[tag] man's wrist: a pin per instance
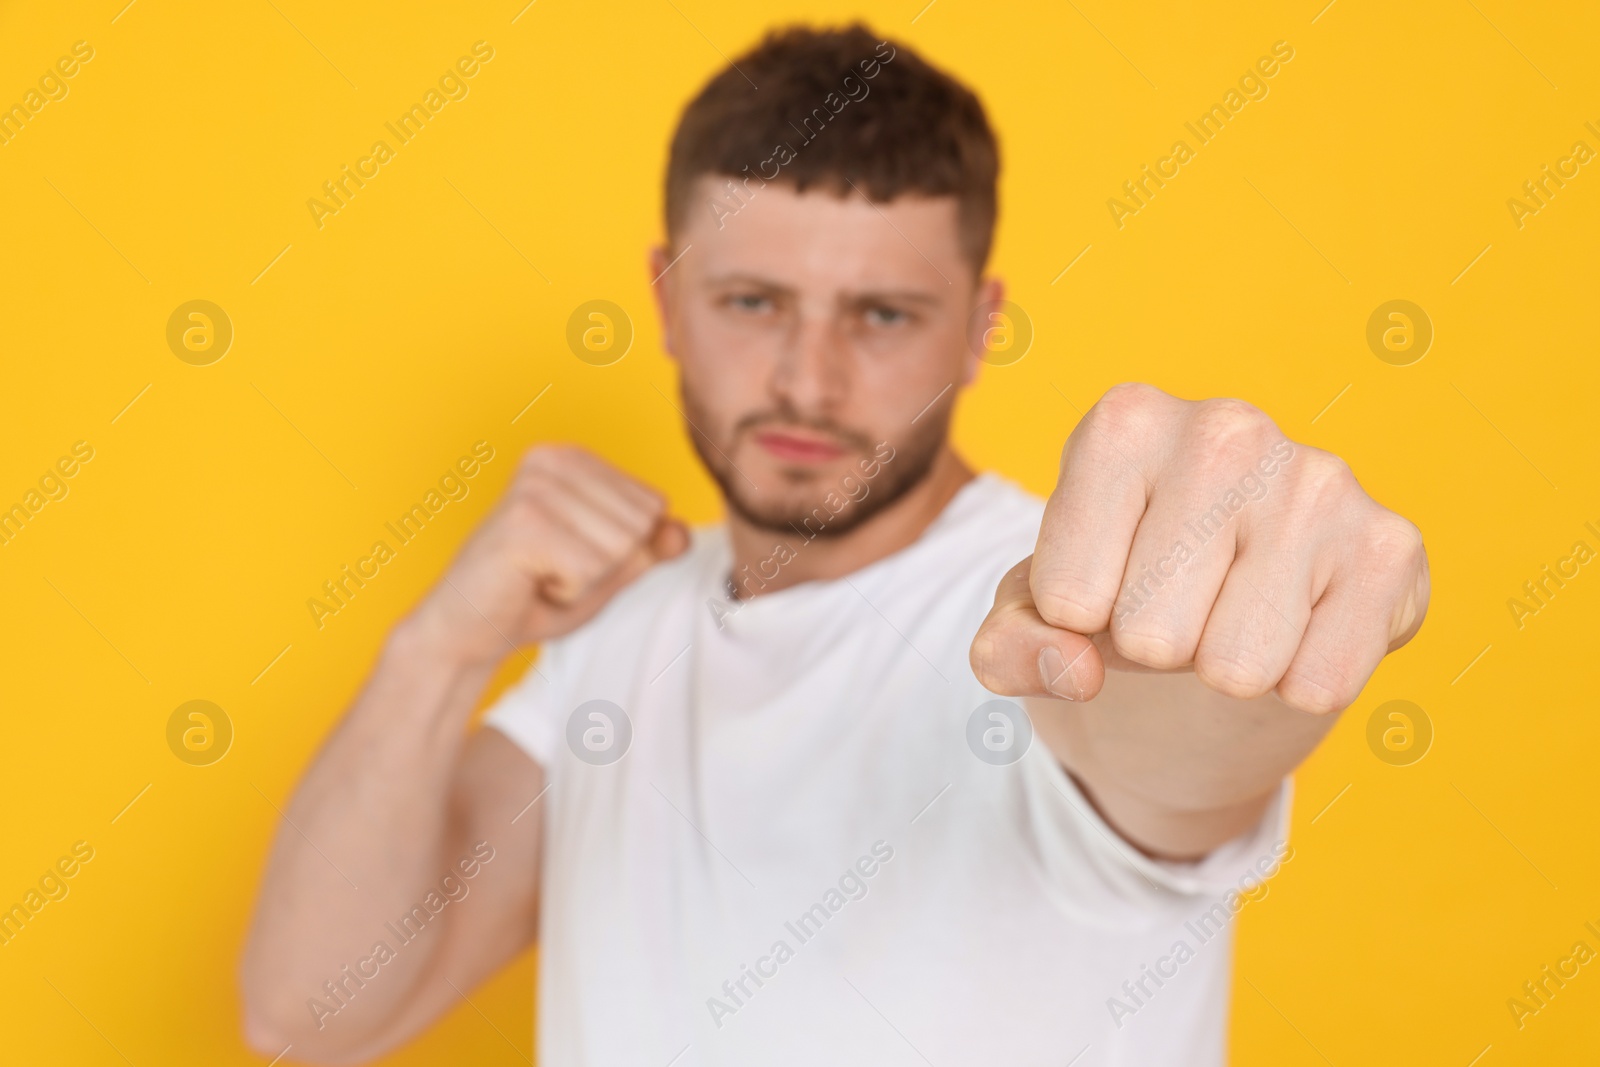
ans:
(1167, 831)
(427, 637)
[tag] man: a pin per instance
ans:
(760, 800)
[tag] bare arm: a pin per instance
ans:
(1177, 767)
(401, 803)
(397, 797)
(1205, 596)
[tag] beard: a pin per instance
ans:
(803, 491)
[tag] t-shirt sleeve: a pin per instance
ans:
(530, 712)
(1092, 865)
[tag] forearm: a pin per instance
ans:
(401, 796)
(366, 833)
(1176, 767)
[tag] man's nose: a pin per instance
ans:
(813, 371)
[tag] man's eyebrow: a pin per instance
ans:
(902, 296)
(738, 277)
(866, 296)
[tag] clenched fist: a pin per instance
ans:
(1194, 535)
(571, 532)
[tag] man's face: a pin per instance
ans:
(808, 329)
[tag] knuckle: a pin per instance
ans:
(537, 502)
(535, 476)
(538, 457)
(984, 654)
(1069, 601)
(607, 547)
(1155, 646)
(1227, 426)
(1123, 407)
(1234, 673)
(1327, 476)
(653, 504)
(1391, 539)
(1125, 417)
(552, 457)
(1313, 696)
(1132, 394)
(639, 528)
(639, 517)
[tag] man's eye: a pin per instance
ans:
(750, 302)
(886, 316)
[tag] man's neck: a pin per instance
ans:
(765, 561)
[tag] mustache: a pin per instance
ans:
(850, 438)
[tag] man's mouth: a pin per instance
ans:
(795, 447)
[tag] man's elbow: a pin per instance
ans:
(263, 1035)
(273, 1026)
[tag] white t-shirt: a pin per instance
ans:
(798, 856)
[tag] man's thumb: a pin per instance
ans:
(1017, 653)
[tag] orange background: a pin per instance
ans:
(428, 313)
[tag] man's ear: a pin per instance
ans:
(990, 290)
(657, 261)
